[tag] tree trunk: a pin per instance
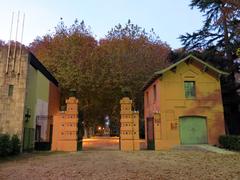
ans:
(226, 38)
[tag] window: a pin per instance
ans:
(10, 90)
(189, 87)
(154, 93)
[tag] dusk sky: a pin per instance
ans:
(169, 19)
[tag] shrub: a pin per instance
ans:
(5, 145)
(42, 146)
(230, 142)
(9, 145)
(16, 145)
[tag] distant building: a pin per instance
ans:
(186, 101)
(29, 97)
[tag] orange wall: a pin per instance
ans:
(151, 106)
(65, 132)
(65, 127)
(54, 99)
(53, 104)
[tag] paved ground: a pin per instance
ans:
(204, 147)
(104, 143)
(114, 164)
(101, 143)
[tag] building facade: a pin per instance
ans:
(183, 105)
(29, 97)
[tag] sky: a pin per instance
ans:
(168, 18)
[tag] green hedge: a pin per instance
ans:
(9, 145)
(230, 142)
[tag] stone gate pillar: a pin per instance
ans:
(65, 127)
(157, 130)
(129, 130)
(136, 141)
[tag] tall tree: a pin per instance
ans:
(220, 29)
(125, 58)
(218, 41)
(66, 53)
(233, 2)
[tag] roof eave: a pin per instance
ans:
(151, 80)
(160, 73)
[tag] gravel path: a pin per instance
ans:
(113, 164)
(101, 143)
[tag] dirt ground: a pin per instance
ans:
(114, 164)
(101, 143)
(122, 165)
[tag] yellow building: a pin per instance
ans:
(183, 105)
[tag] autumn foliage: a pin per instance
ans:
(101, 70)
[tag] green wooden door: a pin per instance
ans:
(193, 130)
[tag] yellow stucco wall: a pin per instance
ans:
(173, 104)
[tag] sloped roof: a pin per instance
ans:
(157, 74)
(39, 66)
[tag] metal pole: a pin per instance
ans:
(20, 53)
(9, 44)
(15, 46)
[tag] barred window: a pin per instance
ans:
(10, 90)
(190, 90)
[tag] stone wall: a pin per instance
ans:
(13, 82)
